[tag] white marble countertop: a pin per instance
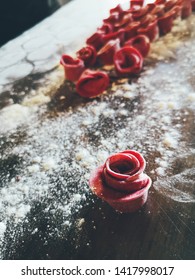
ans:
(39, 49)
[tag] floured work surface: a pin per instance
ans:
(51, 139)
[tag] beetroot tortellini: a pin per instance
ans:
(120, 181)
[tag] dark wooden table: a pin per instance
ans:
(51, 139)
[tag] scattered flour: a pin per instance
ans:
(15, 115)
(180, 186)
(2, 229)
